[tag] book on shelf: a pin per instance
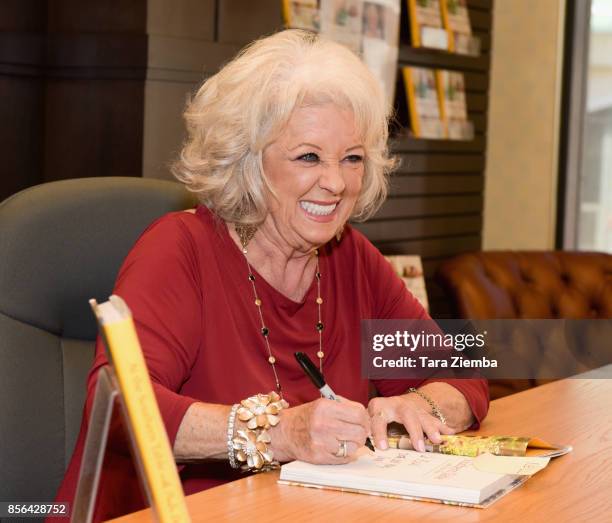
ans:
(343, 22)
(301, 14)
(423, 103)
(456, 21)
(379, 44)
(426, 26)
(453, 106)
(410, 269)
(407, 474)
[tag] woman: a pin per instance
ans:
(286, 144)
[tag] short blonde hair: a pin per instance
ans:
(237, 112)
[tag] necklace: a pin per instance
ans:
(245, 234)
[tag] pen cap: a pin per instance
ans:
(310, 369)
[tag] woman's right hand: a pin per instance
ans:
(313, 431)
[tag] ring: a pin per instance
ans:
(342, 449)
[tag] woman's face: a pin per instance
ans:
(316, 169)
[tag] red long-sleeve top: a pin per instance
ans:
(185, 281)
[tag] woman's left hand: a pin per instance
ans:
(410, 411)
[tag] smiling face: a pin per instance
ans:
(315, 168)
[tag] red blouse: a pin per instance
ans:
(185, 281)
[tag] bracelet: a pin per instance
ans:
(250, 447)
(252, 451)
(434, 408)
(231, 421)
(261, 410)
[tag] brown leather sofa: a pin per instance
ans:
(528, 284)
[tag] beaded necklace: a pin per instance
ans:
(246, 233)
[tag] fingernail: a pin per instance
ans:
(382, 444)
(435, 438)
(420, 445)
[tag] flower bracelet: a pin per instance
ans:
(249, 449)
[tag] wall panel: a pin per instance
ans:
(22, 59)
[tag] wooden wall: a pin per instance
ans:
(96, 88)
(71, 90)
(22, 28)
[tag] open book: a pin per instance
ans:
(407, 474)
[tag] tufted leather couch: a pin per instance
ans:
(529, 284)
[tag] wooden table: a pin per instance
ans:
(575, 487)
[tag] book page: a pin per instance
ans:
(522, 466)
(402, 471)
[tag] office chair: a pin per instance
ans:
(61, 243)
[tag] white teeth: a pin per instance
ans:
(320, 210)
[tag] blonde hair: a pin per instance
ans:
(237, 112)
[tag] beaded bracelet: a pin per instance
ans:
(231, 421)
(434, 407)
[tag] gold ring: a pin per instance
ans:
(342, 449)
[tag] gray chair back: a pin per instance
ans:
(61, 244)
